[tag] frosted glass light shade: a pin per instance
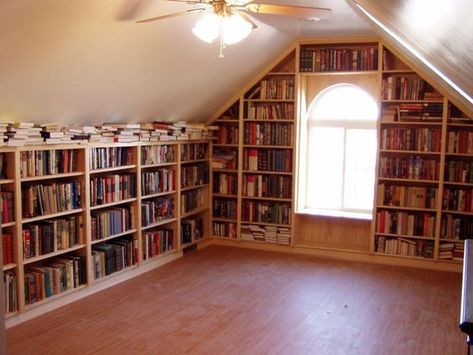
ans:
(207, 28)
(233, 28)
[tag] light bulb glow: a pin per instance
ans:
(232, 28)
(207, 28)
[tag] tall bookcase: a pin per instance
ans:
(76, 216)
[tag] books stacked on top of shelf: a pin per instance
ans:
(54, 134)
(451, 251)
(23, 133)
(3, 131)
(124, 132)
(224, 159)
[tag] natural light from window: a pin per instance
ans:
(341, 151)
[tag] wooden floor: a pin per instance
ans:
(223, 300)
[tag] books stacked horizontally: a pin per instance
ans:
(123, 132)
(79, 134)
(284, 235)
(3, 131)
(23, 133)
(54, 134)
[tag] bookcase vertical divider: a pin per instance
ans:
(137, 204)
(178, 197)
(18, 228)
(241, 135)
(87, 222)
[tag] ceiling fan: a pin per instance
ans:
(229, 20)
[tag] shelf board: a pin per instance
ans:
(223, 237)
(403, 256)
(460, 125)
(225, 120)
(159, 223)
(263, 242)
(410, 123)
(222, 219)
(191, 243)
(398, 71)
(451, 240)
(340, 73)
(194, 187)
(126, 269)
(412, 101)
(404, 236)
(261, 146)
(269, 100)
(194, 211)
(115, 168)
(266, 224)
(49, 216)
(10, 314)
(50, 255)
(266, 172)
(9, 224)
(410, 152)
(195, 161)
(9, 266)
(159, 256)
(219, 170)
(274, 120)
(466, 184)
(6, 181)
(415, 181)
(224, 195)
(407, 208)
(465, 155)
(283, 73)
(158, 194)
(114, 203)
(458, 212)
(157, 165)
(53, 297)
(49, 177)
(225, 145)
(130, 231)
(266, 198)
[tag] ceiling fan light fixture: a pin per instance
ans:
(235, 29)
(207, 29)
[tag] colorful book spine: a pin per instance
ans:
(161, 180)
(157, 209)
(112, 222)
(110, 157)
(111, 188)
(157, 242)
(158, 154)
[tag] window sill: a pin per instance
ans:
(338, 214)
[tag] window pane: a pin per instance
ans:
(359, 169)
(325, 168)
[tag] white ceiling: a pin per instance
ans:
(82, 61)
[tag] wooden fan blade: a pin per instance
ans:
(176, 14)
(190, 2)
(247, 18)
(131, 8)
(287, 10)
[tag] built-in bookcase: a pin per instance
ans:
(77, 215)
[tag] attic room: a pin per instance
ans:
(301, 184)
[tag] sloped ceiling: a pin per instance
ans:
(438, 32)
(87, 61)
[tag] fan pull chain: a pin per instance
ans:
(222, 44)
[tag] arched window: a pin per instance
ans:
(341, 151)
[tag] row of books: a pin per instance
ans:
(268, 133)
(266, 212)
(224, 158)
(225, 208)
(48, 162)
(7, 248)
(412, 167)
(111, 188)
(27, 133)
(270, 111)
(193, 199)
(110, 157)
(278, 160)
(157, 242)
(459, 171)
(44, 199)
(269, 234)
(403, 87)
(50, 236)
(158, 154)
(227, 134)
(10, 290)
(192, 229)
(161, 180)
(404, 223)
(277, 89)
(460, 142)
(407, 196)
(194, 151)
(451, 251)
(110, 222)
(456, 227)
(114, 256)
(272, 186)
(157, 209)
(226, 184)
(57, 276)
(224, 229)
(458, 199)
(7, 206)
(405, 247)
(194, 175)
(411, 138)
(338, 59)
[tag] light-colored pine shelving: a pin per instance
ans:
(114, 203)
(53, 254)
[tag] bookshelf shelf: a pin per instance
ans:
(413, 181)
(403, 256)
(160, 165)
(9, 224)
(261, 146)
(188, 188)
(458, 212)
(222, 219)
(195, 161)
(130, 231)
(223, 120)
(407, 208)
(194, 212)
(49, 177)
(114, 274)
(11, 314)
(224, 195)
(405, 236)
(274, 120)
(114, 203)
(159, 223)
(266, 224)
(225, 145)
(158, 194)
(341, 73)
(411, 123)
(282, 73)
(159, 256)
(218, 170)
(460, 155)
(269, 100)
(455, 183)
(266, 198)
(50, 216)
(398, 71)
(186, 245)
(9, 266)
(267, 172)
(411, 101)
(50, 255)
(53, 297)
(115, 168)
(6, 181)
(410, 152)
